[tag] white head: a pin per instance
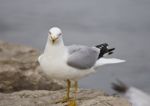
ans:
(54, 34)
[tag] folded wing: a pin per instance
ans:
(82, 57)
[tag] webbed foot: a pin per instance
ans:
(72, 103)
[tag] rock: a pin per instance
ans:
(19, 70)
(49, 98)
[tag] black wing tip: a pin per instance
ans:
(111, 50)
(120, 87)
(102, 45)
(104, 49)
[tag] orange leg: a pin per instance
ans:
(73, 102)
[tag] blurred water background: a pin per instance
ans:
(124, 24)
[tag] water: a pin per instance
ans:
(124, 24)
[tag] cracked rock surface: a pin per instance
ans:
(20, 70)
(49, 98)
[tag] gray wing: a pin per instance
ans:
(82, 57)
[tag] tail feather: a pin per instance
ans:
(104, 61)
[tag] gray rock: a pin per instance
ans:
(19, 70)
(49, 98)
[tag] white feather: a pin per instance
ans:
(104, 61)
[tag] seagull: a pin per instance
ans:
(71, 63)
(134, 95)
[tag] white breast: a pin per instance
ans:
(58, 69)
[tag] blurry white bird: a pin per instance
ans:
(135, 96)
(73, 62)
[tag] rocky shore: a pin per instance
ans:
(22, 82)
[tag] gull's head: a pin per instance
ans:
(54, 34)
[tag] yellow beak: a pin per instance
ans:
(53, 38)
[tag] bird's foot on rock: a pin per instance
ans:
(65, 99)
(72, 103)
